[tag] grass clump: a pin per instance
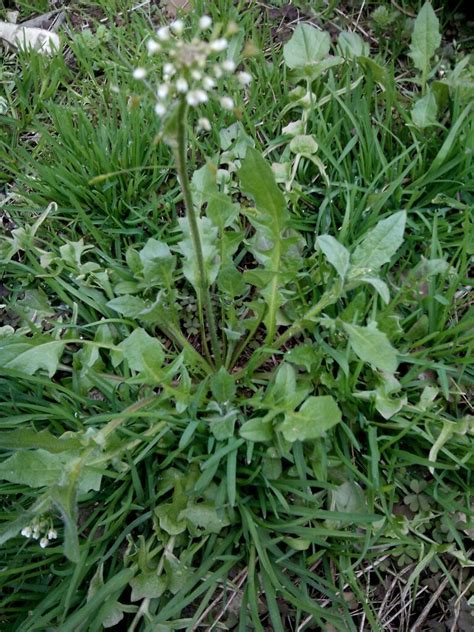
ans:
(236, 334)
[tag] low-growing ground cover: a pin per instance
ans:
(235, 334)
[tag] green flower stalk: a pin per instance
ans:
(191, 77)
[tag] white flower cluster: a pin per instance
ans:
(191, 71)
(41, 530)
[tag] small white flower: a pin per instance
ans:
(192, 99)
(177, 26)
(217, 72)
(196, 75)
(52, 534)
(169, 69)
(208, 83)
(244, 78)
(26, 531)
(227, 103)
(182, 85)
(204, 124)
(205, 22)
(228, 65)
(160, 109)
(44, 543)
(139, 73)
(162, 91)
(201, 96)
(152, 47)
(218, 45)
(36, 534)
(163, 33)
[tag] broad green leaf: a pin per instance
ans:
(257, 430)
(258, 181)
(111, 613)
(271, 464)
(147, 586)
(380, 286)
(306, 46)
(222, 426)
(337, 255)
(158, 263)
(223, 386)
(203, 183)
(168, 513)
(80, 619)
(282, 387)
(231, 281)
(349, 498)
(379, 245)
(65, 500)
(425, 38)
(424, 111)
(373, 69)
(39, 468)
(169, 521)
(127, 305)
(448, 429)
(177, 573)
(143, 354)
(205, 515)
(372, 346)
(221, 210)
(385, 402)
(352, 44)
(303, 355)
(28, 356)
(271, 218)
(317, 415)
(25, 438)
(208, 235)
(303, 144)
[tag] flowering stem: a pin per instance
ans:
(204, 294)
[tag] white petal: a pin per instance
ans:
(139, 73)
(177, 26)
(208, 83)
(163, 33)
(160, 109)
(152, 47)
(192, 99)
(204, 124)
(227, 103)
(201, 96)
(181, 85)
(244, 78)
(228, 65)
(218, 45)
(163, 91)
(205, 22)
(44, 543)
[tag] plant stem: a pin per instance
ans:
(204, 295)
